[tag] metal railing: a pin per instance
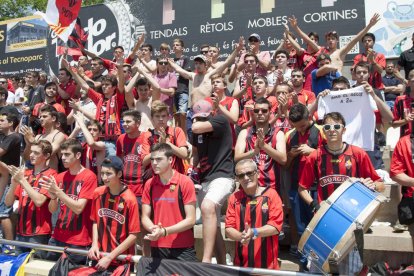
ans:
(136, 258)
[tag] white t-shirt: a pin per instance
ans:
(358, 108)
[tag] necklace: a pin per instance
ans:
(335, 152)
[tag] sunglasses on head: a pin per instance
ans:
(248, 174)
(263, 110)
(332, 127)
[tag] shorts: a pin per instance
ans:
(182, 254)
(54, 256)
(181, 103)
(5, 211)
(217, 191)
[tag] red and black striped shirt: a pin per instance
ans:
(116, 217)
(133, 151)
(269, 169)
(330, 170)
(313, 137)
(71, 228)
(265, 209)
(34, 220)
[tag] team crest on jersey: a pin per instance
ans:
(139, 149)
(265, 207)
(200, 139)
(332, 179)
(105, 212)
(348, 164)
(172, 188)
(121, 207)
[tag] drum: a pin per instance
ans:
(329, 237)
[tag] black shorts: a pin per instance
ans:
(182, 254)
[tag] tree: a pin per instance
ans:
(10, 9)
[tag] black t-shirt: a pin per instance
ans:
(406, 61)
(390, 81)
(215, 150)
(36, 95)
(11, 144)
(182, 83)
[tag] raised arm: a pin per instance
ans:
(230, 59)
(344, 51)
(137, 45)
(182, 72)
(80, 81)
(295, 27)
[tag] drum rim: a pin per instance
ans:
(369, 214)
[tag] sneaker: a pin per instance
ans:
(400, 228)
(281, 235)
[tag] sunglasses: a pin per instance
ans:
(248, 174)
(332, 127)
(163, 63)
(263, 110)
(253, 40)
(3, 82)
(204, 52)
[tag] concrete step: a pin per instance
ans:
(383, 244)
(388, 210)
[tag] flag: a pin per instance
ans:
(13, 265)
(76, 41)
(61, 16)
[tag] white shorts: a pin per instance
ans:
(217, 191)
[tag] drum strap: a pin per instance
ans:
(359, 238)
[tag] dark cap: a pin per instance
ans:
(323, 57)
(113, 162)
(254, 36)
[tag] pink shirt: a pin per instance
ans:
(263, 56)
(169, 80)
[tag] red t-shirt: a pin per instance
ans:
(70, 89)
(88, 158)
(402, 106)
(305, 97)
(402, 162)
(133, 152)
(38, 106)
(108, 112)
(71, 228)
(34, 220)
(116, 216)
(265, 209)
(177, 137)
(165, 204)
(332, 171)
(269, 169)
(375, 78)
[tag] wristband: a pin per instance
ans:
(165, 231)
(255, 233)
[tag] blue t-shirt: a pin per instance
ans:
(324, 82)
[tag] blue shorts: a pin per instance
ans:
(5, 211)
(181, 103)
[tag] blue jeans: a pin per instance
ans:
(54, 256)
(41, 239)
(189, 125)
(181, 102)
(301, 211)
(390, 104)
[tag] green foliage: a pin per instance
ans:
(10, 9)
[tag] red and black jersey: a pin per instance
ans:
(167, 203)
(108, 113)
(313, 137)
(70, 89)
(403, 162)
(70, 227)
(330, 170)
(283, 124)
(34, 220)
(133, 151)
(402, 106)
(116, 216)
(265, 209)
(177, 137)
(269, 169)
(88, 158)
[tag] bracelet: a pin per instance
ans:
(165, 231)
(255, 232)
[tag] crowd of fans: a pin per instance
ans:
(114, 153)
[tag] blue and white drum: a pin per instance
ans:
(329, 237)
